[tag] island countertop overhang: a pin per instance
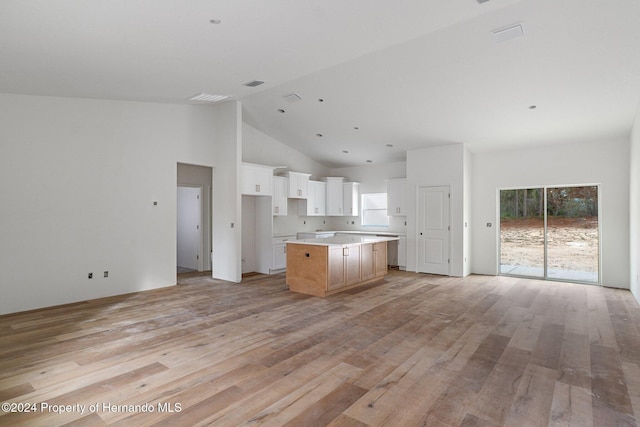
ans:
(342, 240)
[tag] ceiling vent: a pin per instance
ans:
(253, 83)
(294, 97)
(508, 33)
(208, 97)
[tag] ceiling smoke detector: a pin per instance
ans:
(208, 97)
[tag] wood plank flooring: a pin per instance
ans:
(408, 350)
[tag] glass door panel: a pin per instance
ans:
(572, 233)
(522, 232)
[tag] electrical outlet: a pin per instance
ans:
(106, 273)
(90, 276)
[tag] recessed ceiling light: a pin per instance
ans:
(214, 21)
(319, 135)
(320, 100)
(208, 97)
(345, 151)
(389, 145)
(532, 107)
(281, 111)
(369, 161)
(253, 83)
(356, 128)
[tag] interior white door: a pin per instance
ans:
(433, 230)
(189, 227)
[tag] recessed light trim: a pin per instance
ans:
(281, 111)
(208, 97)
(214, 21)
(389, 145)
(319, 135)
(532, 107)
(369, 161)
(345, 151)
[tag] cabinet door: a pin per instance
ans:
(351, 197)
(256, 180)
(298, 185)
(368, 266)
(279, 195)
(352, 264)
(396, 196)
(380, 258)
(335, 196)
(279, 256)
(319, 198)
(336, 274)
(247, 179)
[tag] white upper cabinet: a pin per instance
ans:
(316, 200)
(351, 197)
(335, 196)
(396, 197)
(298, 185)
(280, 189)
(256, 180)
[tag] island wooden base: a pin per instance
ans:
(324, 270)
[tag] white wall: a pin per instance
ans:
(227, 209)
(467, 211)
(260, 148)
(605, 163)
(634, 223)
(78, 179)
(438, 166)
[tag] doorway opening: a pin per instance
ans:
(551, 232)
(194, 219)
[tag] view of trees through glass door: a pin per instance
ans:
(550, 232)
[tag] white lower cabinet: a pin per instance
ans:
(280, 253)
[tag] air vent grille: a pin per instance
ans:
(294, 97)
(208, 97)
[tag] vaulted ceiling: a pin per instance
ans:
(375, 78)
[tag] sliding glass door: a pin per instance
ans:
(550, 233)
(522, 232)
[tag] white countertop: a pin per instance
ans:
(343, 240)
(358, 232)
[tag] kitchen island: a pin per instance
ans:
(326, 266)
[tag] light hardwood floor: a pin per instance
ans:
(411, 349)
